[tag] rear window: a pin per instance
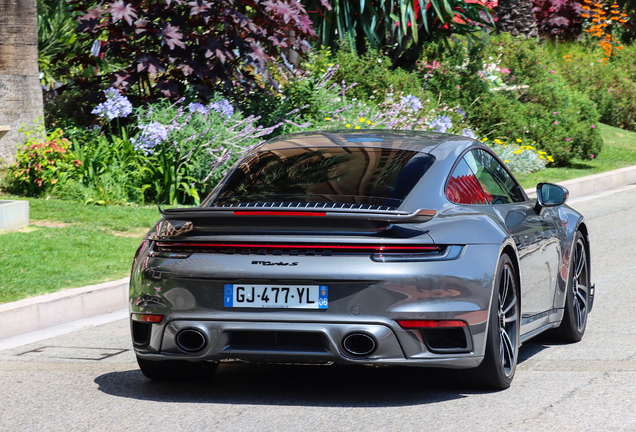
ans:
(357, 176)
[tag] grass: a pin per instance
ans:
(619, 151)
(69, 245)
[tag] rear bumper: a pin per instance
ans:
(364, 296)
(277, 342)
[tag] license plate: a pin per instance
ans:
(272, 296)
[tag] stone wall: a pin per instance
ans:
(20, 90)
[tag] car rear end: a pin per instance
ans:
(328, 268)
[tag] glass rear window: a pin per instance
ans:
(341, 175)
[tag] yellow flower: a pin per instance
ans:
(497, 141)
(327, 118)
(484, 140)
(518, 140)
(530, 147)
(550, 158)
(372, 124)
(357, 127)
(541, 157)
(507, 161)
(361, 119)
(369, 122)
(542, 152)
(348, 125)
(517, 151)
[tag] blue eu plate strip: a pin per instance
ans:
(323, 301)
(229, 295)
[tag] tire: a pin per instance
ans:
(497, 369)
(177, 370)
(577, 297)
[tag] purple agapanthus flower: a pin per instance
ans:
(461, 112)
(441, 124)
(469, 133)
(116, 105)
(197, 107)
(150, 136)
(223, 107)
(411, 102)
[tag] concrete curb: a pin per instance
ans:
(596, 183)
(38, 313)
(49, 310)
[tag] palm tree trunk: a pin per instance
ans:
(517, 18)
(20, 89)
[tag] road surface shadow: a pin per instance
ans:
(305, 385)
(351, 386)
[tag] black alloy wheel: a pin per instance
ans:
(502, 345)
(574, 321)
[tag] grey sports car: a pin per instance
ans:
(361, 247)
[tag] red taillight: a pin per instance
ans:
(165, 246)
(148, 318)
(412, 324)
(277, 213)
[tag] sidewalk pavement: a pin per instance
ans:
(42, 312)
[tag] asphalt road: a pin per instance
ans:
(88, 380)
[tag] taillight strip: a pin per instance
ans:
(370, 248)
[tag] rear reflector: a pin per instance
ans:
(148, 318)
(411, 324)
(277, 213)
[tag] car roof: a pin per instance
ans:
(419, 141)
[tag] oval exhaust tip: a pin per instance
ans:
(359, 344)
(191, 340)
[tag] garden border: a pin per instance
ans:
(38, 313)
(41, 312)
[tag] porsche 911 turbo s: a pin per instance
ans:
(361, 247)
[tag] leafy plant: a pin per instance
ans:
(524, 159)
(398, 26)
(560, 18)
(163, 46)
(57, 38)
(40, 163)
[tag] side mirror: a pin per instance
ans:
(550, 195)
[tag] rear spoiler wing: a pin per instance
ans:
(188, 214)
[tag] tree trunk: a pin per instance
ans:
(20, 89)
(517, 18)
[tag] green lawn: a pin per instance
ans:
(619, 151)
(69, 245)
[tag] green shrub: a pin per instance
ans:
(517, 93)
(611, 86)
(41, 163)
(560, 121)
(373, 74)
